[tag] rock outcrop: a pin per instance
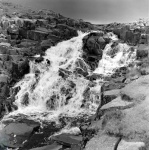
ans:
(14, 134)
(93, 46)
(133, 33)
(120, 117)
(24, 34)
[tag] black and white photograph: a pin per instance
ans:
(74, 74)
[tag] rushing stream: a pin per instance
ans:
(45, 95)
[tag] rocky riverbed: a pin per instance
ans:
(68, 84)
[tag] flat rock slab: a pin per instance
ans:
(112, 92)
(14, 134)
(138, 89)
(49, 147)
(41, 138)
(68, 140)
(118, 102)
(103, 142)
(123, 145)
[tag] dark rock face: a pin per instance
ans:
(66, 31)
(142, 51)
(130, 34)
(93, 45)
(64, 73)
(87, 133)
(4, 79)
(25, 100)
(70, 141)
(45, 44)
(94, 76)
(114, 49)
(14, 134)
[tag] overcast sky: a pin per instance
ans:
(95, 11)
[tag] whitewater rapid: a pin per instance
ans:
(45, 95)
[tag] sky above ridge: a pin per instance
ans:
(95, 11)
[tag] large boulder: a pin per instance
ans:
(26, 43)
(117, 31)
(138, 89)
(133, 37)
(23, 33)
(93, 45)
(5, 22)
(117, 102)
(132, 34)
(54, 38)
(29, 24)
(4, 88)
(4, 49)
(45, 44)
(13, 29)
(23, 67)
(37, 35)
(54, 146)
(66, 31)
(69, 141)
(136, 38)
(13, 62)
(142, 51)
(42, 23)
(18, 22)
(122, 119)
(14, 135)
(124, 29)
(17, 69)
(129, 36)
(144, 39)
(124, 145)
(102, 142)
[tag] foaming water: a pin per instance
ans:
(111, 61)
(48, 93)
(54, 88)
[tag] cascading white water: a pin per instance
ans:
(110, 63)
(50, 95)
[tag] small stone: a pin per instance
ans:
(67, 140)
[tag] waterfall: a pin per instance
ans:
(45, 93)
(112, 59)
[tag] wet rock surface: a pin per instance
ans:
(41, 137)
(27, 134)
(70, 141)
(15, 134)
